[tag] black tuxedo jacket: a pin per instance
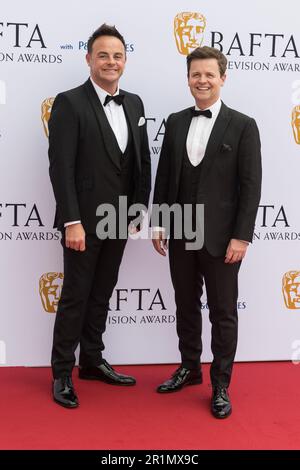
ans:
(230, 181)
(84, 155)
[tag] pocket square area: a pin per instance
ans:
(226, 148)
(142, 121)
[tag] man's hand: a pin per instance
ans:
(134, 229)
(75, 237)
(236, 251)
(160, 242)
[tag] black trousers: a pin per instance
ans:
(89, 279)
(189, 270)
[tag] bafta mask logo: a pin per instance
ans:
(189, 31)
(296, 123)
(50, 285)
(291, 289)
(46, 111)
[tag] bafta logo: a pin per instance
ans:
(291, 289)
(296, 123)
(50, 285)
(46, 111)
(189, 31)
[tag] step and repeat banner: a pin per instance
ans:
(42, 52)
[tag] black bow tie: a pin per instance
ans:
(117, 98)
(207, 113)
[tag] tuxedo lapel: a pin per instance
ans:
(132, 119)
(109, 139)
(180, 138)
(214, 141)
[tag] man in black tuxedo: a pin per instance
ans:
(98, 151)
(210, 156)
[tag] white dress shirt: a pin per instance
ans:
(116, 117)
(199, 133)
(197, 139)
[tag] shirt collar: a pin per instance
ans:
(102, 93)
(215, 108)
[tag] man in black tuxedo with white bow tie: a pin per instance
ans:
(98, 151)
(211, 156)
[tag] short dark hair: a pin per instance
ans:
(206, 52)
(104, 30)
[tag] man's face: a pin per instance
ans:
(107, 62)
(205, 81)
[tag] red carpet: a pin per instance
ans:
(265, 397)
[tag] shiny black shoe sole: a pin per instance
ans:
(216, 415)
(107, 381)
(192, 382)
(64, 405)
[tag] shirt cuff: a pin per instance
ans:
(158, 229)
(72, 223)
(244, 241)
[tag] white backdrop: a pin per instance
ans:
(41, 54)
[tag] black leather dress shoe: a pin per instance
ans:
(179, 379)
(64, 393)
(105, 373)
(220, 403)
